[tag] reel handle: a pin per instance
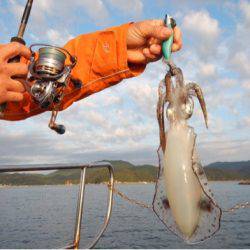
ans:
(167, 45)
(59, 128)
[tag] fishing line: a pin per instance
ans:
(73, 91)
(241, 205)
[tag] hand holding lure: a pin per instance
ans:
(183, 200)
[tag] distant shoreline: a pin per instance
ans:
(239, 182)
(124, 173)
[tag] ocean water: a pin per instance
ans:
(44, 216)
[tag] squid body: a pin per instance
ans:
(183, 200)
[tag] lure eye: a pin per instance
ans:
(188, 108)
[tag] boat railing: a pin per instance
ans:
(81, 194)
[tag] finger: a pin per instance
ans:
(159, 32)
(15, 86)
(177, 44)
(153, 40)
(155, 49)
(14, 96)
(16, 69)
(157, 22)
(13, 49)
(21, 80)
(149, 56)
(136, 56)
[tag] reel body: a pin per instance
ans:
(48, 75)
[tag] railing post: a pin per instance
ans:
(79, 210)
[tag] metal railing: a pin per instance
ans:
(80, 202)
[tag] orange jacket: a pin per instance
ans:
(101, 63)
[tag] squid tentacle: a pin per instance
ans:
(199, 94)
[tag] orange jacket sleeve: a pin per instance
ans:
(101, 63)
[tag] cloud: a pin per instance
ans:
(227, 82)
(95, 9)
(238, 58)
(201, 24)
(245, 8)
(58, 38)
(203, 29)
(225, 150)
(243, 123)
(208, 69)
(241, 63)
(45, 12)
(129, 7)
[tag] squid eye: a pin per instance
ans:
(188, 108)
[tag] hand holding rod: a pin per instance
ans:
(19, 38)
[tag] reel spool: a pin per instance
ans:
(48, 75)
(51, 62)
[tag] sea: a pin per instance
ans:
(44, 217)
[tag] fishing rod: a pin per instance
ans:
(48, 74)
(19, 37)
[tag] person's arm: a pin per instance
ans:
(116, 53)
(101, 62)
(104, 59)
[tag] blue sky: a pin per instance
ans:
(120, 122)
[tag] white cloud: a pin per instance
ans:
(246, 84)
(202, 24)
(16, 8)
(95, 9)
(56, 37)
(225, 150)
(207, 70)
(238, 58)
(96, 118)
(241, 62)
(129, 7)
(243, 123)
(227, 82)
(245, 8)
(203, 31)
(45, 10)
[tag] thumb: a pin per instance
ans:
(159, 32)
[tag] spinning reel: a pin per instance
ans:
(48, 75)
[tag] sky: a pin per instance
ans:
(120, 122)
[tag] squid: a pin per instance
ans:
(183, 200)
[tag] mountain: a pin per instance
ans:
(228, 170)
(124, 172)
